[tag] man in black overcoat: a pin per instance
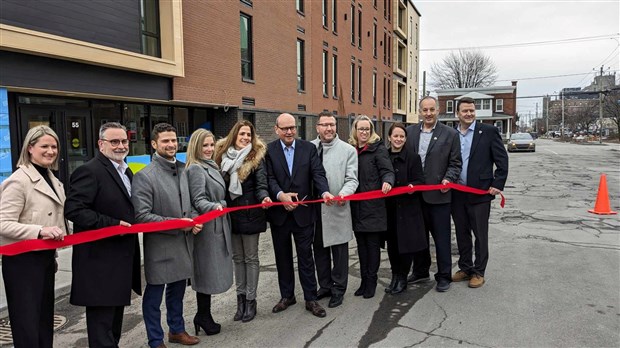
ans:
(105, 271)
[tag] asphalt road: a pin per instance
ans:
(553, 278)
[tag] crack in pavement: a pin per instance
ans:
(432, 333)
(577, 244)
(318, 333)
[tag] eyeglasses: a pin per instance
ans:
(287, 129)
(117, 142)
(363, 130)
(327, 125)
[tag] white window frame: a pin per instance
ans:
(486, 104)
(450, 106)
(499, 105)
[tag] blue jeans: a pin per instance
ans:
(151, 303)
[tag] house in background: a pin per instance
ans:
(496, 105)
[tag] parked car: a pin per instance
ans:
(521, 142)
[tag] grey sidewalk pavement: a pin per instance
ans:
(62, 284)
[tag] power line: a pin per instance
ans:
(522, 44)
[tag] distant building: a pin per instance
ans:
(496, 105)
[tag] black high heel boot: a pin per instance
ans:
(203, 319)
(240, 307)
(390, 287)
(401, 284)
(362, 288)
(250, 311)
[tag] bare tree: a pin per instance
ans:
(611, 108)
(584, 116)
(463, 69)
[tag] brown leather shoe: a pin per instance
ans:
(460, 276)
(162, 346)
(284, 304)
(316, 309)
(183, 338)
(476, 281)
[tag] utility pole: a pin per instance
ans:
(562, 125)
(600, 107)
(536, 119)
(548, 100)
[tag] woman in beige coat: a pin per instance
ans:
(31, 207)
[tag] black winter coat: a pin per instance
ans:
(405, 217)
(250, 221)
(374, 168)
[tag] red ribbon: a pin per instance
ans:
(111, 231)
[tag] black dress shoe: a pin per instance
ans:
(443, 285)
(335, 301)
(323, 293)
(414, 278)
(316, 309)
(284, 304)
(362, 288)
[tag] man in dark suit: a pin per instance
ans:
(294, 170)
(105, 271)
(481, 148)
(439, 147)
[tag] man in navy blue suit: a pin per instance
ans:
(481, 148)
(294, 171)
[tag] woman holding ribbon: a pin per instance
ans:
(212, 262)
(32, 207)
(241, 157)
(405, 234)
(375, 172)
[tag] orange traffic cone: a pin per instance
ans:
(601, 206)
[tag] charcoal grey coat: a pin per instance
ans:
(212, 255)
(158, 194)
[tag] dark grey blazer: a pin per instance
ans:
(443, 159)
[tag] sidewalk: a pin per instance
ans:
(62, 285)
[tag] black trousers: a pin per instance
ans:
(399, 263)
(333, 279)
(369, 251)
(283, 249)
(468, 219)
(104, 325)
(437, 222)
(29, 286)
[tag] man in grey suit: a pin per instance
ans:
(333, 229)
(158, 194)
(439, 147)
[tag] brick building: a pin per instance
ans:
(199, 64)
(496, 105)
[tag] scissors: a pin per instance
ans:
(301, 200)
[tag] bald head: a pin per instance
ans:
(286, 128)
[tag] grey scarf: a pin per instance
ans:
(232, 160)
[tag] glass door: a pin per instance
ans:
(73, 127)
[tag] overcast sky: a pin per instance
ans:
(447, 24)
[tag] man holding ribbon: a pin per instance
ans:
(104, 271)
(439, 148)
(334, 228)
(293, 171)
(481, 148)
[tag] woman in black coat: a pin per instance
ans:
(405, 234)
(241, 158)
(369, 216)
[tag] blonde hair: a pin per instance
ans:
(231, 138)
(374, 137)
(32, 137)
(194, 147)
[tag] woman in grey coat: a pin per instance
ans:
(212, 255)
